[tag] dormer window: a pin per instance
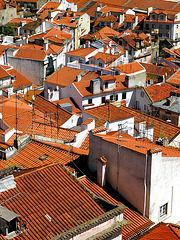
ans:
(161, 17)
(153, 16)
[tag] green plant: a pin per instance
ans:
(9, 30)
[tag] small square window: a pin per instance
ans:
(167, 26)
(90, 101)
(160, 26)
(163, 210)
(111, 97)
(103, 99)
(116, 97)
(124, 95)
(167, 35)
(160, 34)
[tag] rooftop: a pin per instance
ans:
(160, 91)
(54, 204)
(81, 52)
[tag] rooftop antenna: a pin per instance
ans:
(16, 116)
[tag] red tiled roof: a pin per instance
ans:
(64, 76)
(105, 57)
(75, 109)
(48, 6)
(175, 78)
(142, 146)
(160, 127)
(138, 222)
(29, 53)
(157, 70)
(105, 32)
(129, 68)
(160, 91)
(107, 78)
(109, 18)
(28, 156)
(81, 52)
(162, 231)
(87, 121)
(49, 193)
(57, 113)
(107, 112)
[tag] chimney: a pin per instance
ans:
(136, 20)
(45, 46)
(149, 10)
(78, 78)
(26, 40)
(23, 23)
(101, 171)
(95, 86)
(43, 26)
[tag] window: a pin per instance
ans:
(116, 97)
(147, 26)
(177, 26)
(153, 26)
(124, 95)
(90, 101)
(153, 16)
(100, 64)
(161, 17)
(142, 94)
(167, 26)
(145, 107)
(160, 26)
(167, 35)
(176, 35)
(106, 85)
(144, 59)
(163, 210)
(103, 99)
(111, 97)
(160, 34)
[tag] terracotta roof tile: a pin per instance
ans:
(28, 156)
(138, 222)
(175, 78)
(107, 112)
(75, 109)
(160, 91)
(29, 53)
(57, 113)
(160, 127)
(57, 196)
(158, 71)
(130, 68)
(48, 6)
(105, 57)
(105, 32)
(81, 52)
(161, 231)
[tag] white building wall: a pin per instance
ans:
(165, 188)
(71, 122)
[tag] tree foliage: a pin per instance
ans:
(9, 30)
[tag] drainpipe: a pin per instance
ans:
(145, 184)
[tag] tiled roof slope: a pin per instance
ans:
(129, 68)
(142, 146)
(28, 156)
(49, 193)
(107, 112)
(29, 53)
(158, 71)
(81, 52)
(160, 127)
(49, 6)
(160, 91)
(175, 78)
(105, 57)
(105, 32)
(48, 128)
(75, 109)
(138, 222)
(162, 231)
(47, 107)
